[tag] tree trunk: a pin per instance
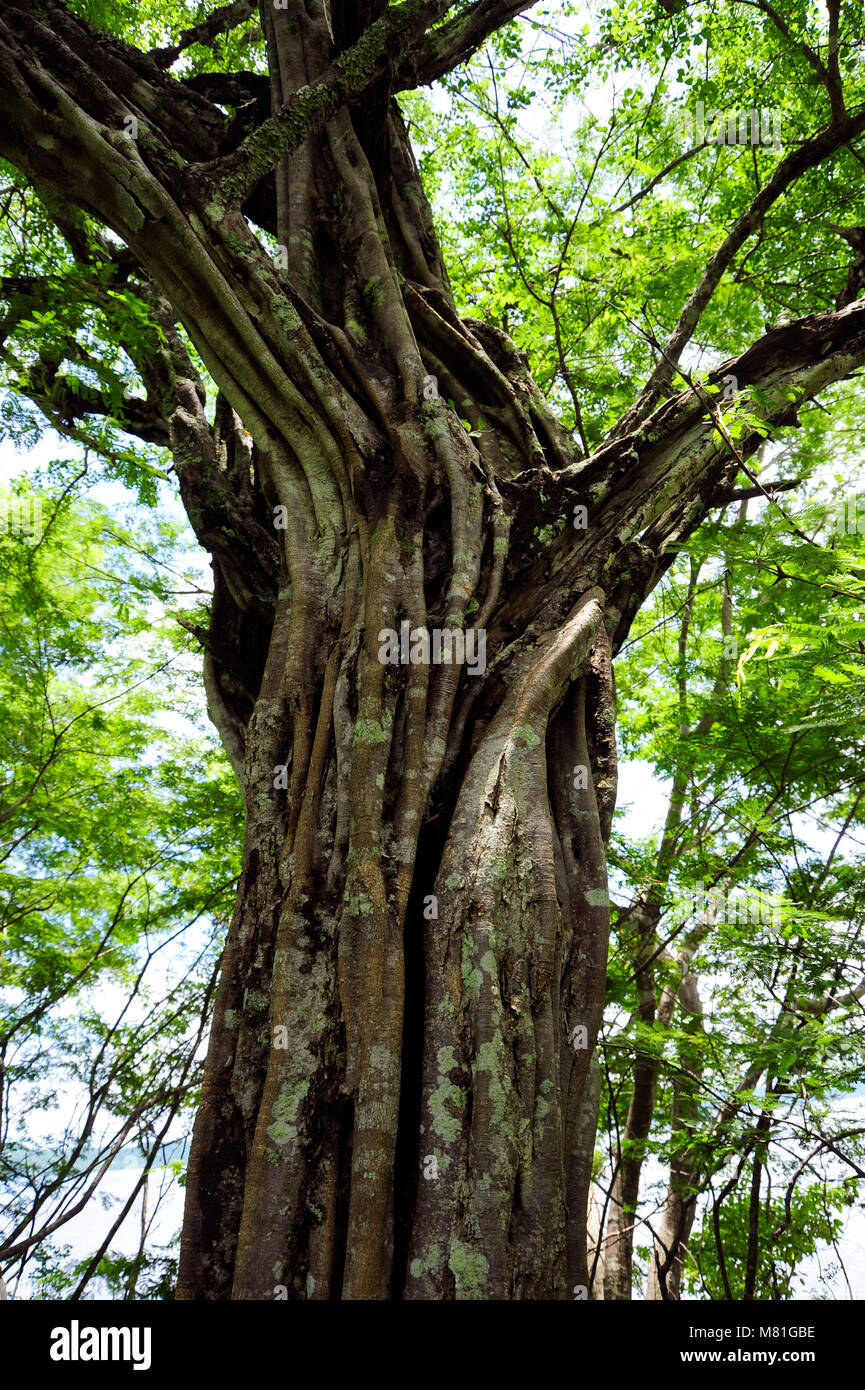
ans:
(411, 988)
(680, 1207)
(631, 1150)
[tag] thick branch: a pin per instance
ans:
(455, 42)
(64, 402)
(384, 44)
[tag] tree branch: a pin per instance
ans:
(63, 403)
(227, 17)
(744, 494)
(377, 51)
(828, 72)
(807, 156)
(454, 43)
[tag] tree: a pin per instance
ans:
(735, 890)
(395, 1100)
(117, 851)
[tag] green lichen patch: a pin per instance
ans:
(445, 1124)
(368, 731)
(254, 1001)
(470, 1269)
(597, 897)
(428, 1263)
(490, 964)
(283, 1128)
(499, 868)
(446, 1059)
(491, 1060)
(524, 733)
(471, 975)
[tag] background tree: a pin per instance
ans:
(763, 823)
(118, 852)
(254, 230)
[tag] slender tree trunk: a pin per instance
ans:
(677, 1218)
(622, 1215)
(639, 928)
